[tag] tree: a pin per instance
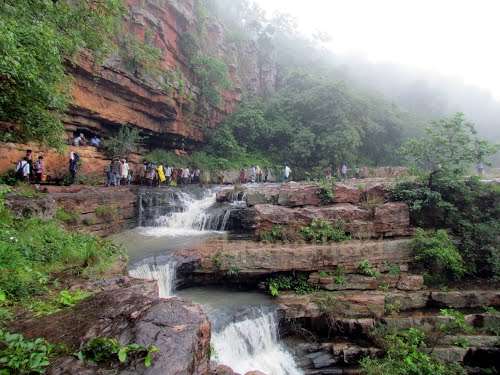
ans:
(450, 145)
(123, 144)
(37, 39)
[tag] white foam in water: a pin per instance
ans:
(164, 274)
(192, 221)
(252, 344)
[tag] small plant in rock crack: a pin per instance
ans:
(108, 350)
(324, 231)
(233, 271)
(394, 269)
(326, 192)
(456, 323)
(274, 235)
(461, 342)
(21, 356)
(299, 284)
(365, 268)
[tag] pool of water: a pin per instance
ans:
(146, 242)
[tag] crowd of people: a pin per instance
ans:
(28, 170)
(119, 173)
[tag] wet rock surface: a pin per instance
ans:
(132, 314)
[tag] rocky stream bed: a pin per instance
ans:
(183, 252)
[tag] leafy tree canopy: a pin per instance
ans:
(449, 145)
(36, 39)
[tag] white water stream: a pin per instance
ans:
(252, 344)
(164, 274)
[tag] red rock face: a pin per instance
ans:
(112, 95)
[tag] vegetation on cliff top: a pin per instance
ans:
(37, 39)
(443, 198)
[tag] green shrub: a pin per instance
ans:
(276, 234)
(406, 355)
(31, 249)
(365, 268)
(21, 356)
(107, 350)
(107, 212)
(212, 76)
(67, 217)
(71, 298)
(437, 254)
(456, 324)
(468, 209)
(298, 283)
(326, 191)
(323, 231)
(121, 145)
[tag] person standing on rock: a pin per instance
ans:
(161, 174)
(258, 171)
(242, 176)
(286, 173)
(125, 172)
(266, 174)
(39, 169)
(74, 158)
(168, 174)
(253, 173)
(343, 171)
(23, 170)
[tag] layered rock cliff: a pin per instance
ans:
(111, 95)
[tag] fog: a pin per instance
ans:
(430, 57)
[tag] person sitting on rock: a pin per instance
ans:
(95, 141)
(79, 140)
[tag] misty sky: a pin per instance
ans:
(457, 38)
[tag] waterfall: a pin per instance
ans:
(252, 344)
(188, 215)
(164, 274)
(225, 219)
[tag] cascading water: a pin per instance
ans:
(189, 214)
(252, 344)
(164, 274)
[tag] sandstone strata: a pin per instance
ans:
(97, 210)
(257, 258)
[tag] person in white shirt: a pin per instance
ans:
(185, 176)
(287, 172)
(168, 174)
(253, 174)
(23, 170)
(124, 171)
(79, 140)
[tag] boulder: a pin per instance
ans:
(465, 298)
(336, 304)
(131, 314)
(452, 354)
(389, 220)
(410, 282)
(346, 194)
(404, 301)
(393, 219)
(41, 205)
